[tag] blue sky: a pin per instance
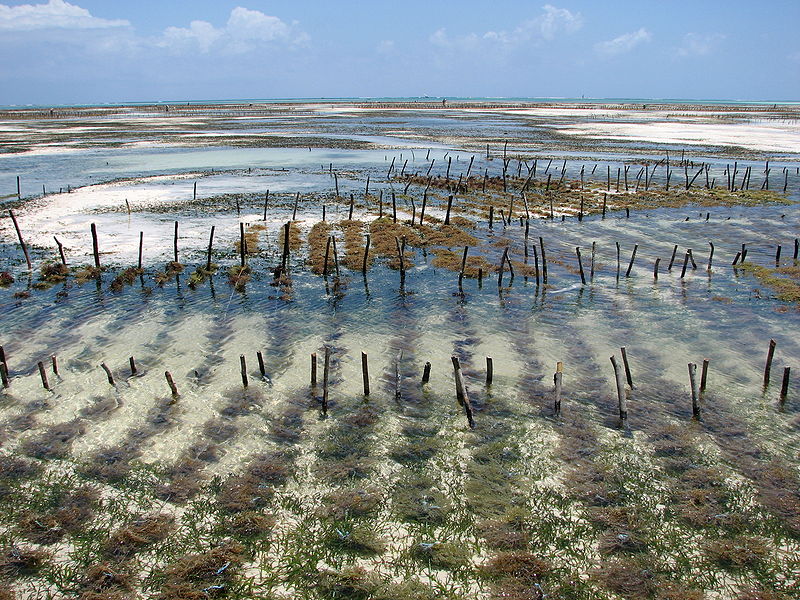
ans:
(52, 51)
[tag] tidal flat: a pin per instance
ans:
(213, 287)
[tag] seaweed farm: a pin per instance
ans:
(400, 351)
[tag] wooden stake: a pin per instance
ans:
(704, 375)
(710, 256)
(489, 370)
(557, 380)
(463, 265)
(95, 248)
(580, 265)
(325, 373)
(633, 257)
(19, 236)
(778, 257)
(4, 375)
(132, 363)
(768, 366)
(210, 244)
(61, 251)
(266, 201)
(365, 372)
(54, 363)
(627, 367)
(352, 204)
(449, 206)
(623, 410)
(296, 202)
(461, 392)
(695, 393)
(194, 191)
(672, 260)
(242, 245)
(426, 373)
(261, 368)
(544, 262)
(243, 369)
(43, 375)
(313, 369)
(141, 249)
(785, 384)
(109, 374)
(655, 269)
(173, 388)
(685, 263)
(366, 256)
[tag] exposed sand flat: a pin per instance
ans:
(754, 135)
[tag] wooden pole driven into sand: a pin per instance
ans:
(109, 374)
(710, 256)
(685, 263)
(695, 391)
(336, 183)
(768, 366)
(61, 252)
(557, 380)
(325, 373)
(242, 245)
(633, 257)
(266, 201)
(489, 370)
(132, 363)
(672, 260)
(422, 210)
(296, 202)
(778, 256)
(243, 369)
(655, 269)
(54, 364)
(4, 375)
(704, 375)
(394, 208)
(313, 370)
(175, 243)
(785, 384)
(335, 255)
(19, 189)
(461, 392)
(285, 256)
(426, 373)
(365, 372)
(449, 207)
(261, 368)
(210, 244)
(43, 375)
(171, 382)
(19, 237)
(194, 191)
(622, 402)
(463, 265)
(544, 261)
(366, 256)
(95, 248)
(352, 204)
(627, 367)
(580, 265)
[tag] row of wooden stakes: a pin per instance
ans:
(622, 374)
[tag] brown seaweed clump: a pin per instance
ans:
(6, 279)
(125, 277)
(238, 276)
(138, 535)
(195, 574)
(16, 561)
(54, 272)
(105, 581)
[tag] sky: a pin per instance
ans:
(96, 51)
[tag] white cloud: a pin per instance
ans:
(624, 43)
(56, 14)
(386, 47)
(699, 44)
(245, 30)
(546, 27)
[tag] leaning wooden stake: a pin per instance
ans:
(489, 370)
(580, 265)
(557, 380)
(627, 367)
(173, 388)
(672, 260)
(623, 409)
(61, 252)
(365, 372)
(366, 256)
(325, 372)
(768, 366)
(633, 257)
(43, 375)
(544, 262)
(449, 207)
(21, 241)
(109, 374)
(695, 393)
(461, 392)
(704, 376)
(261, 368)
